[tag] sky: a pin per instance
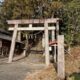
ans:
(1, 0)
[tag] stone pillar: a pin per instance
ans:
(43, 41)
(53, 39)
(13, 42)
(47, 60)
(61, 58)
(57, 28)
(53, 35)
(55, 53)
(19, 36)
(26, 46)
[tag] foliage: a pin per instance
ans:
(67, 10)
(73, 23)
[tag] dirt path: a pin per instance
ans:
(18, 70)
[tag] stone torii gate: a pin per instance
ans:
(30, 28)
(46, 28)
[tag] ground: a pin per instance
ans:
(18, 70)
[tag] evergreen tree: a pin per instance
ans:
(67, 10)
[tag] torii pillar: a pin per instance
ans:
(13, 44)
(47, 56)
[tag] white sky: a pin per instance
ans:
(1, 0)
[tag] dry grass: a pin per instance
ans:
(73, 61)
(48, 73)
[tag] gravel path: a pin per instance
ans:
(19, 69)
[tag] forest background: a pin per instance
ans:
(67, 10)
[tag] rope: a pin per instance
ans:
(66, 51)
(69, 53)
(38, 33)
